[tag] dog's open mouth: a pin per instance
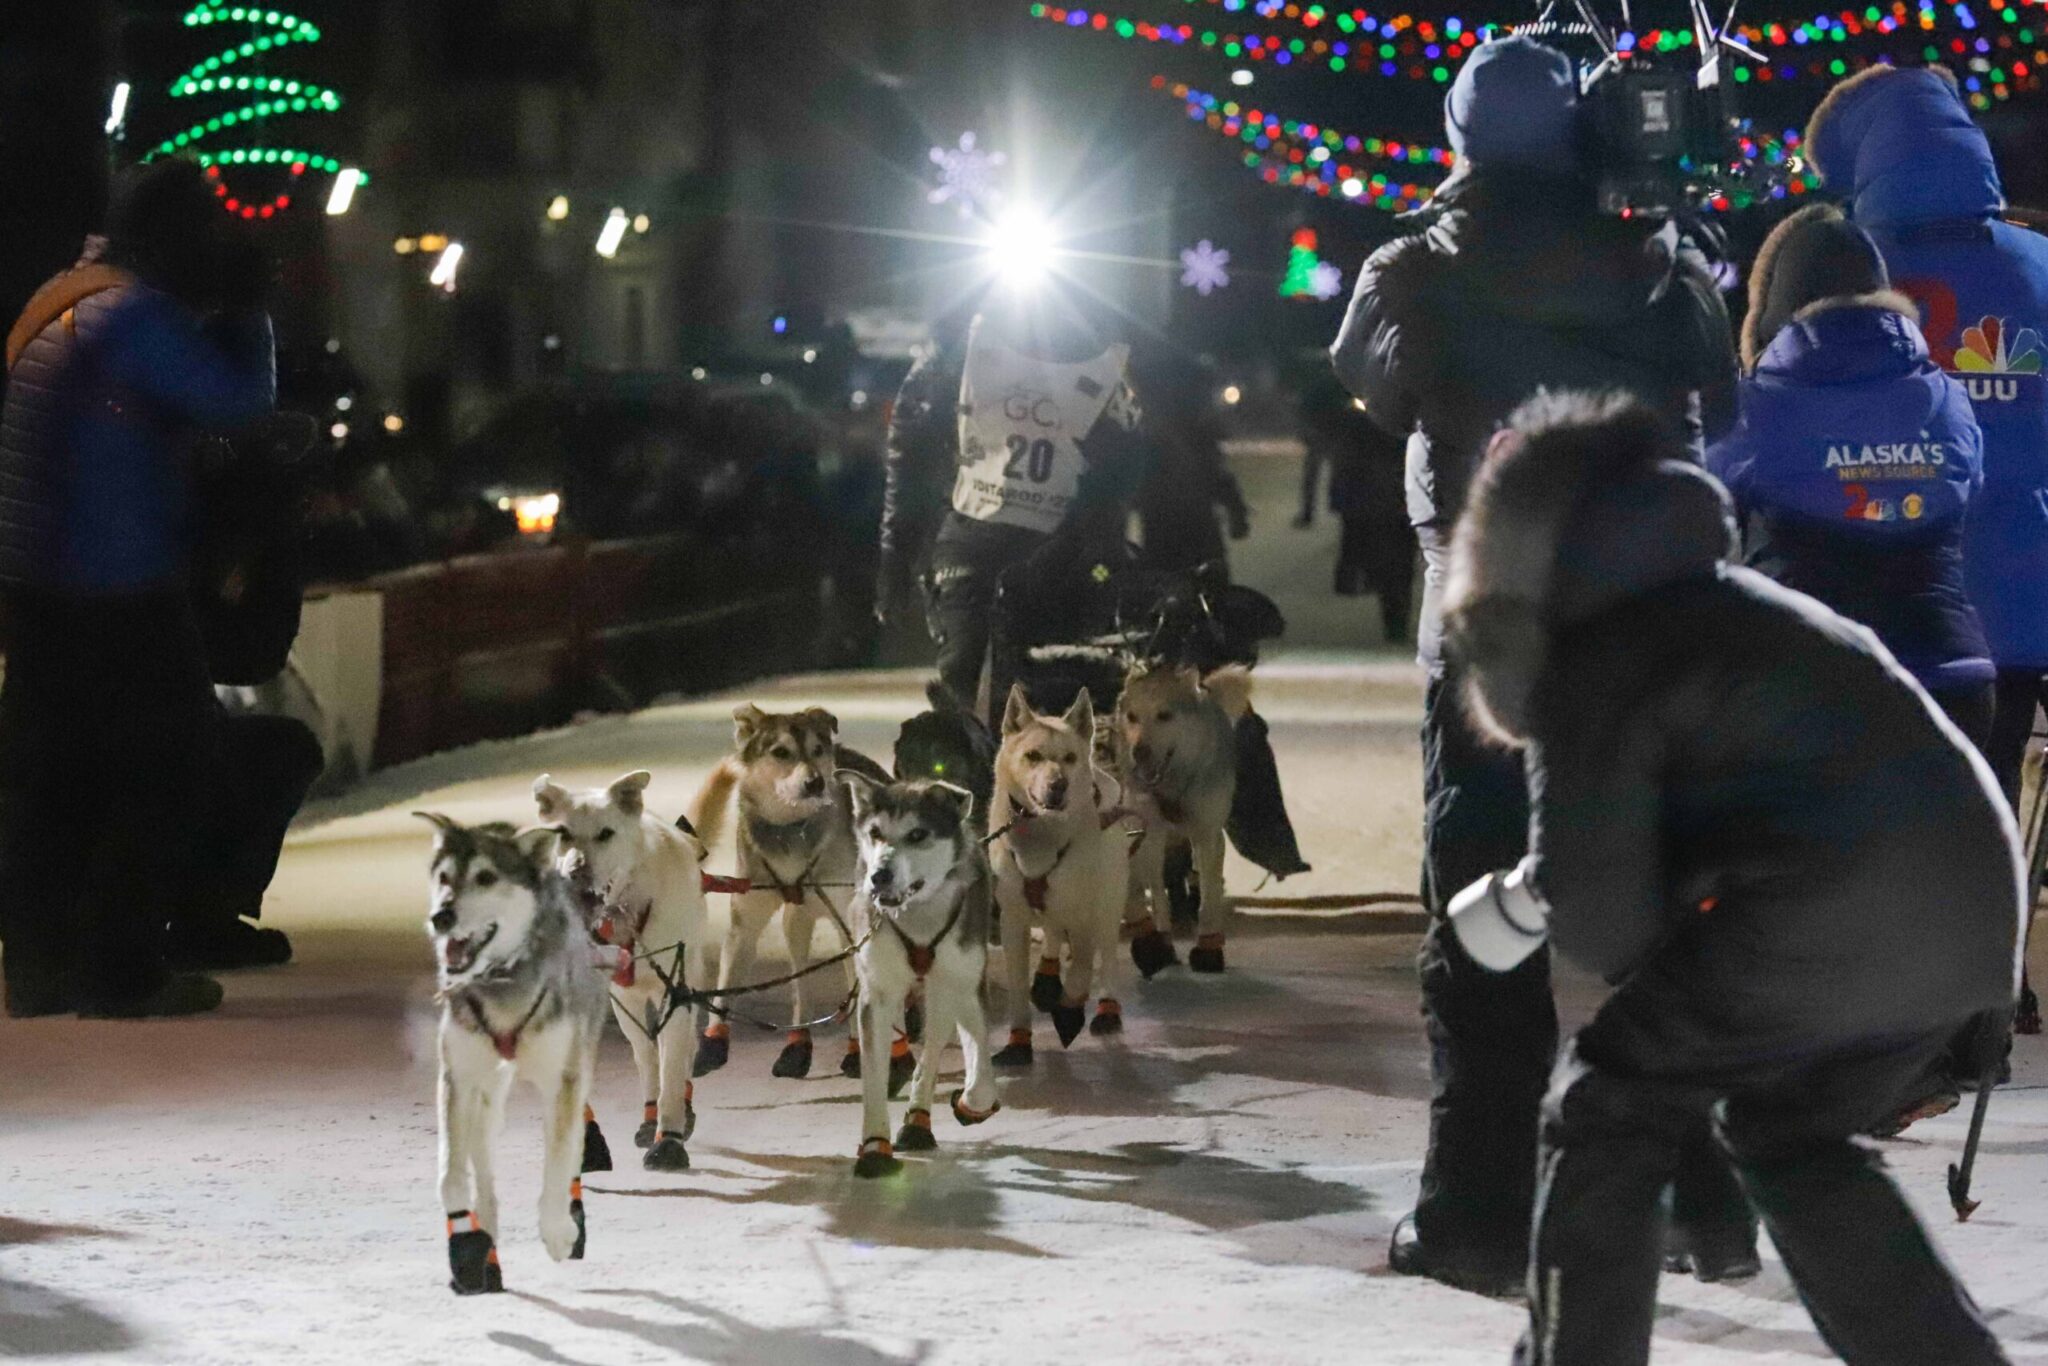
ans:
(459, 953)
(892, 898)
(1151, 775)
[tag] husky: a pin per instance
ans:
(1176, 743)
(949, 743)
(1059, 864)
(796, 850)
(647, 877)
(922, 913)
(520, 997)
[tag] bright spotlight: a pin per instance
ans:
(1232, 394)
(614, 232)
(558, 208)
(344, 192)
(1020, 248)
(1240, 77)
(444, 269)
(117, 112)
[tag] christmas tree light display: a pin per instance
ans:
(1308, 275)
(238, 136)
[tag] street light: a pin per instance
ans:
(613, 233)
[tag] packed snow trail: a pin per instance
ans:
(257, 1186)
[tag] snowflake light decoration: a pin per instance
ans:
(1326, 282)
(967, 175)
(1205, 267)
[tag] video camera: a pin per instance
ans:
(1657, 130)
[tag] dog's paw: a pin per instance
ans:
(916, 1134)
(644, 1135)
(1015, 1053)
(1152, 953)
(795, 1059)
(1067, 1021)
(1046, 991)
(597, 1154)
(1207, 954)
(913, 1021)
(968, 1115)
(473, 1263)
(849, 1066)
(712, 1052)
(902, 1067)
(1109, 1018)
(667, 1155)
(876, 1158)
(561, 1231)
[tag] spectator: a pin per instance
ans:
(1376, 551)
(1187, 481)
(105, 712)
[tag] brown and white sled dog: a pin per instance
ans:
(796, 849)
(1058, 867)
(520, 997)
(921, 913)
(1176, 742)
(648, 879)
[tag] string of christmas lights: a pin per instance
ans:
(1996, 64)
(233, 72)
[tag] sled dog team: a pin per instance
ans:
(536, 929)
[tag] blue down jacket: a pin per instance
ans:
(94, 488)
(1901, 146)
(1853, 466)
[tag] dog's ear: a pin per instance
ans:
(1017, 712)
(550, 797)
(536, 843)
(747, 721)
(1231, 687)
(443, 827)
(630, 792)
(821, 721)
(1080, 717)
(860, 790)
(957, 799)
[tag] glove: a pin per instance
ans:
(1501, 919)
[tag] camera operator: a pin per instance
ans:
(1801, 882)
(105, 714)
(1030, 418)
(1517, 282)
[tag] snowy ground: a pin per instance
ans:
(257, 1186)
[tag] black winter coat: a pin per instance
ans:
(1743, 811)
(1519, 285)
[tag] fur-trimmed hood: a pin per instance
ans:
(1899, 144)
(1583, 502)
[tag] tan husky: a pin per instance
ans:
(1058, 867)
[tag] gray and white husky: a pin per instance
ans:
(520, 997)
(1177, 749)
(921, 914)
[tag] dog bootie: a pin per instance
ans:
(795, 1059)
(714, 1046)
(472, 1259)
(644, 1135)
(916, 1134)
(876, 1158)
(1017, 1052)
(1207, 954)
(1067, 1021)
(576, 1213)
(1045, 985)
(968, 1115)
(1109, 1017)
(902, 1066)
(913, 1022)
(668, 1153)
(849, 1066)
(597, 1154)
(1152, 953)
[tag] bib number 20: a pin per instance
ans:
(1029, 459)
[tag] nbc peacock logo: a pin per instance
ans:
(1992, 358)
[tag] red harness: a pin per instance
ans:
(506, 1041)
(1035, 888)
(608, 933)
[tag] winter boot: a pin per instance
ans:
(472, 1258)
(1017, 1052)
(1067, 1019)
(1045, 985)
(667, 1154)
(1207, 954)
(1152, 953)
(1109, 1017)
(795, 1059)
(916, 1134)
(714, 1046)
(876, 1158)
(902, 1066)
(597, 1154)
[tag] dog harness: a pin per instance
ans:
(921, 955)
(506, 1041)
(608, 933)
(1036, 888)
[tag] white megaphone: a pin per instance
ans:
(1501, 919)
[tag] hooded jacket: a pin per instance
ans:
(1519, 285)
(1743, 811)
(1852, 467)
(95, 491)
(1901, 146)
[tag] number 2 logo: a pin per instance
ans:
(1029, 459)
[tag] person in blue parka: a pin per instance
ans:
(1900, 146)
(1855, 459)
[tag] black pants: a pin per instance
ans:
(1492, 1036)
(103, 727)
(959, 610)
(1878, 1290)
(258, 771)
(1377, 555)
(2019, 691)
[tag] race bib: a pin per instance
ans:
(1022, 421)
